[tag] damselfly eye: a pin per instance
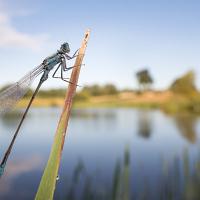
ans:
(65, 48)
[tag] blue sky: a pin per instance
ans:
(126, 36)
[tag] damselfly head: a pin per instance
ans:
(65, 48)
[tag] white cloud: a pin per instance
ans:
(11, 37)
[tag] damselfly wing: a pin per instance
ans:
(12, 95)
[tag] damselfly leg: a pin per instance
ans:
(74, 56)
(63, 68)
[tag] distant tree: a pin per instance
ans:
(185, 84)
(109, 89)
(52, 93)
(93, 90)
(144, 79)
(81, 96)
(97, 90)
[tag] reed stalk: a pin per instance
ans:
(48, 181)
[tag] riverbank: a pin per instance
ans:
(166, 100)
(124, 99)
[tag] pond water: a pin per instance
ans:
(111, 154)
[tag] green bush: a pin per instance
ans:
(96, 90)
(52, 93)
(185, 85)
(81, 96)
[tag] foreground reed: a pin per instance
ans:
(48, 182)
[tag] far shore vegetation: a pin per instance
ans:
(181, 96)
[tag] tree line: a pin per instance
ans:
(184, 85)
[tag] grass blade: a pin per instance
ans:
(47, 184)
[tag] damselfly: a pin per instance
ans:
(10, 96)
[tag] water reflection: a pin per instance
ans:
(178, 179)
(98, 164)
(93, 113)
(144, 124)
(11, 119)
(187, 126)
(7, 118)
(84, 185)
(15, 169)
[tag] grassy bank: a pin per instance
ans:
(120, 100)
(166, 101)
